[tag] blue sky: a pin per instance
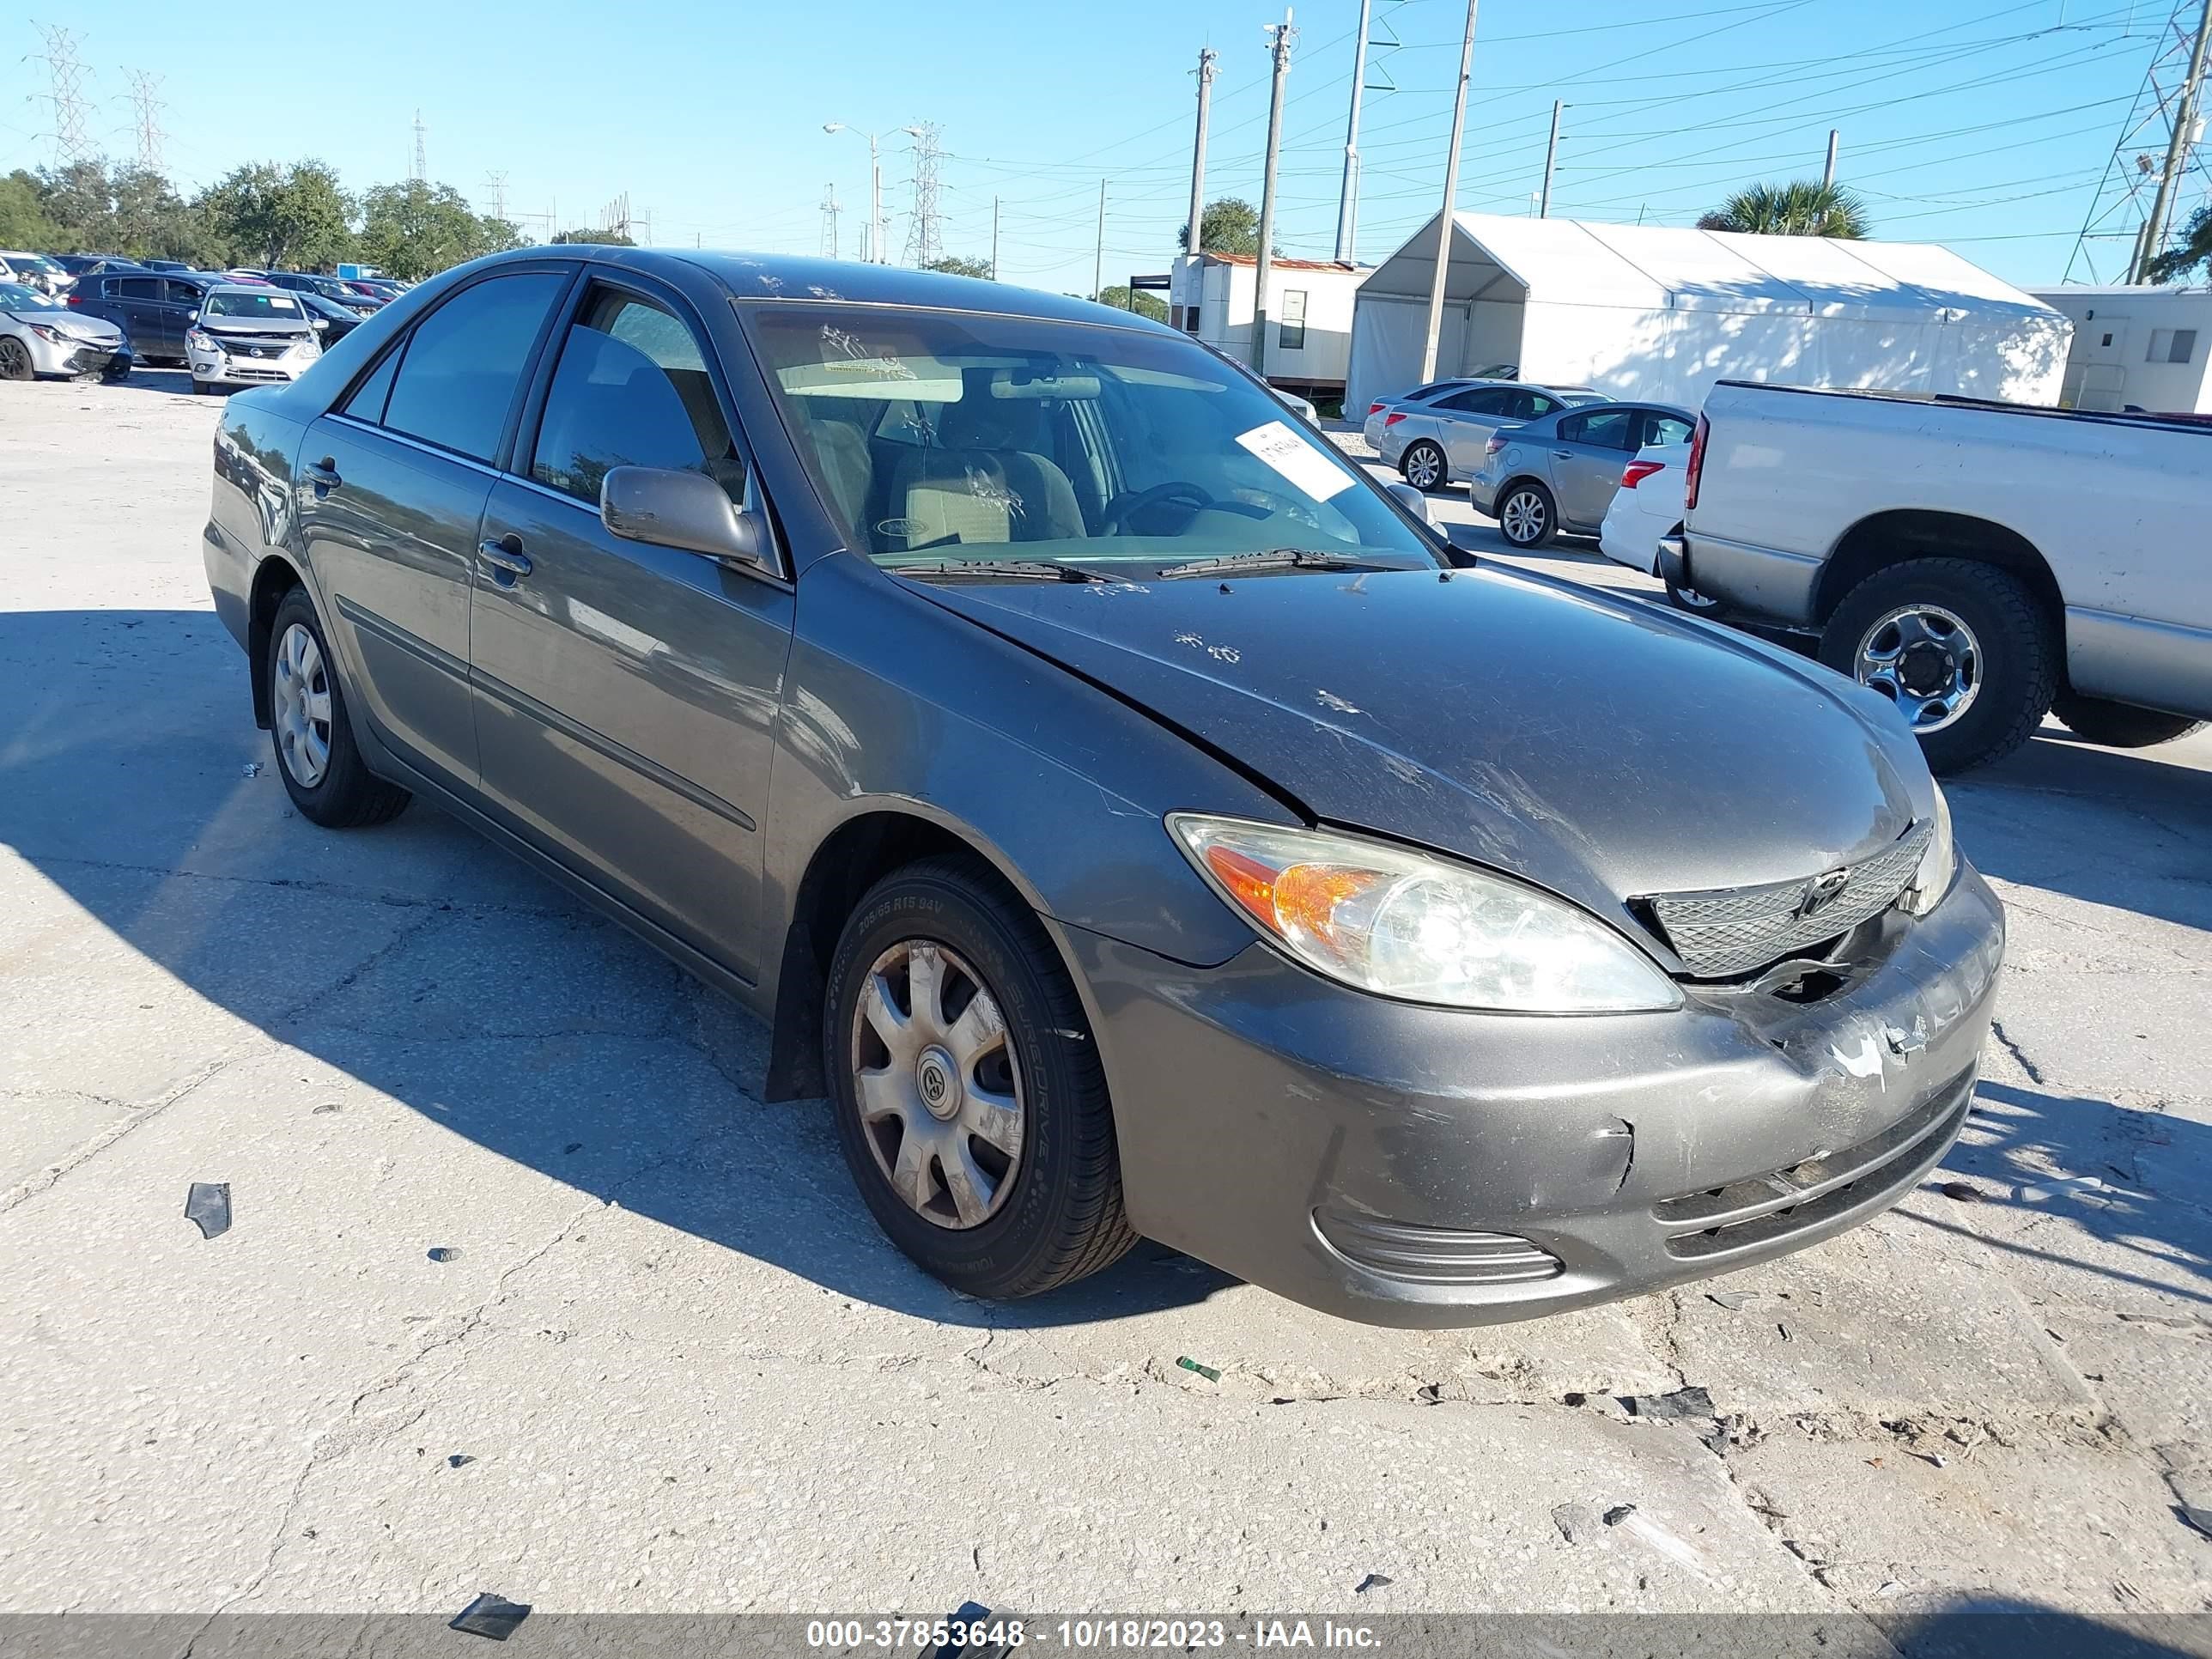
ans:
(1981, 123)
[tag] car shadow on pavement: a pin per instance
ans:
(1987, 1626)
(423, 961)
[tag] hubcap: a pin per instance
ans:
(300, 699)
(1523, 518)
(1421, 467)
(1926, 660)
(939, 1085)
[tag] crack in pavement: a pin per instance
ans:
(316, 889)
(2019, 1055)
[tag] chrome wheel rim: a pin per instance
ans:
(1421, 468)
(300, 700)
(937, 1084)
(1926, 660)
(1523, 520)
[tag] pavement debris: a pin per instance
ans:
(1689, 1405)
(1373, 1581)
(490, 1615)
(1578, 1522)
(445, 1253)
(207, 1205)
(1961, 1191)
(1206, 1372)
(1731, 1300)
(457, 1459)
(251, 768)
(2199, 1518)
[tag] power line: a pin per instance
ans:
(65, 76)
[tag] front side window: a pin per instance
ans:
(949, 437)
(631, 390)
(458, 379)
(182, 294)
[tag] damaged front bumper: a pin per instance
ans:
(1417, 1166)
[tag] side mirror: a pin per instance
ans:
(321, 323)
(1412, 500)
(686, 510)
(192, 316)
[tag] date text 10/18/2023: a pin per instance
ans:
(1084, 1634)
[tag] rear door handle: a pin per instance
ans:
(324, 476)
(1563, 454)
(508, 563)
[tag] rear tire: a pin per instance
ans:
(1061, 1215)
(1424, 466)
(2002, 630)
(1689, 599)
(1528, 517)
(316, 755)
(2120, 724)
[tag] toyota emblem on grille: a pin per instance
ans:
(1823, 891)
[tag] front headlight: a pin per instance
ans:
(51, 335)
(200, 342)
(1401, 924)
(1937, 865)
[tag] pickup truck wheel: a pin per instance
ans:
(1689, 599)
(316, 755)
(1424, 466)
(2120, 724)
(1526, 514)
(1961, 647)
(970, 1103)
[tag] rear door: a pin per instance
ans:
(393, 484)
(1588, 457)
(135, 304)
(626, 693)
(1465, 421)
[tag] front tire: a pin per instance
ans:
(316, 755)
(1424, 466)
(2120, 724)
(15, 359)
(970, 1103)
(1961, 647)
(1527, 515)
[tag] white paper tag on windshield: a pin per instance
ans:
(1296, 458)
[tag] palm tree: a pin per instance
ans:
(1802, 209)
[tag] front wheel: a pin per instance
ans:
(15, 359)
(969, 1099)
(1962, 648)
(322, 768)
(1424, 466)
(1527, 515)
(2120, 724)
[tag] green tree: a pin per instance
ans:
(1122, 297)
(595, 238)
(1803, 207)
(147, 219)
(417, 229)
(23, 220)
(959, 264)
(1230, 225)
(276, 215)
(2194, 249)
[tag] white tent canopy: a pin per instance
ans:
(1661, 311)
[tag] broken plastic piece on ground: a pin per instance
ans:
(490, 1615)
(1619, 1513)
(1373, 1581)
(1729, 1299)
(1961, 1191)
(972, 1614)
(1684, 1405)
(1206, 1372)
(457, 1459)
(445, 1253)
(253, 768)
(207, 1205)
(2199, 1518)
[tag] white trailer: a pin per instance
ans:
(2137, 347)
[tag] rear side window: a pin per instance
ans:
(1483, 400)
(631, 390)
(134, 288)
(458, 380)
(1605, 429)
(1666, 430)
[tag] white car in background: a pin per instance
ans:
(1646, 510)
(249, 336)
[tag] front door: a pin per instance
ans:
(392, 485)
(626, 693)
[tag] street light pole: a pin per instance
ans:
(1451, 202)
(875, 189)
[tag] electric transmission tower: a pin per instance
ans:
(925, 241)
(2163, 127)
(497, 182)
(66, 76)
(422, 168)
(830, 210)
(146, 99)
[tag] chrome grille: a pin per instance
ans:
(1738, 929)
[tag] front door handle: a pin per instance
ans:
(508, 563)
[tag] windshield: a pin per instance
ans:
(939, 438)
(34, 262)
(14, 296)
(264, 304)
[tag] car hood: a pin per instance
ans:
(94, 331)
(1600, 747)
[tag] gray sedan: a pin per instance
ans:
(1442, 440)
(39, 335)
(1559, 473)
(1127, 816)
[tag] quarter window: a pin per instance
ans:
(1666, 430)
(465, 361)
(631, 390)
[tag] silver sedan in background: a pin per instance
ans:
(39, 335)
(1442, 440)
(1561, 471)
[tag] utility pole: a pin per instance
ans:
(1193, 240)
(1347, 194)
(146, 95)
(1279, 37)
(1551, 160)
(66, 76)
(2177, 150)
(1828, 172)
(994, 238)
(422, 166)
(1098, 258)
(1451, 201)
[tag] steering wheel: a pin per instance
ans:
(1118, 510)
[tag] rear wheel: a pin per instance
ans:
(322, 768)
(969, 1099)
(15, 359)
(1961, 647)
(1527, 516)
(1689, 599)
(2120, 724)
(1424, 466)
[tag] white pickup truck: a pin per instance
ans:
(1981, 564)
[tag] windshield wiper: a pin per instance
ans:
(1049, 570)
(1275, 559)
